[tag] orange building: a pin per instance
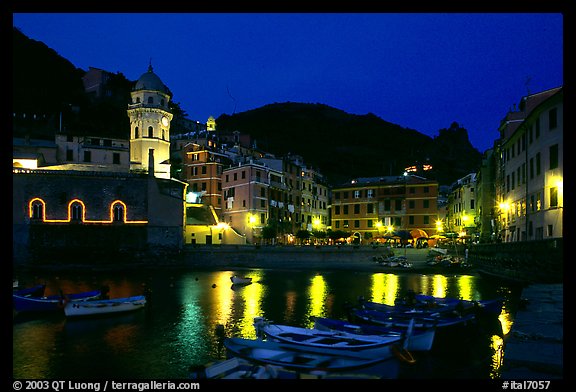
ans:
(371, 208)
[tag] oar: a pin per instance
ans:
(408, 333)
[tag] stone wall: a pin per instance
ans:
(526, 261)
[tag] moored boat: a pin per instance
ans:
(104, 306)
(420, 339)
(23, 302)
(338, 340)
(33, 291)
(308, 358)
(441, 321)
(240, 280)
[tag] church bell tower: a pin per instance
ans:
(150, 126)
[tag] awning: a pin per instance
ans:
(417, 233)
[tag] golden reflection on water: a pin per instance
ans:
(385, 288)
(223, 297)
(506, 320)
(290, 308)
(497, 345)
(251, 296)
(317, 293)
(465, 285)
(439, 286)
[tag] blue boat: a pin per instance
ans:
(419, 339)
(308, 358)
(392, 319)
(427, 305)
(34, 291)
(23, 302)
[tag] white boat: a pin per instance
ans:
(240, 279)
(308, 358)
(236, 369)
(314, 337)
(106, 306)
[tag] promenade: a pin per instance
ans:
(534, 347)
(324, 258)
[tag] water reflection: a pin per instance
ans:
(385, 288)
(191, 328)
(497, 345)
(179, 328)
(317, 294)
(251, 296)
(439, 286)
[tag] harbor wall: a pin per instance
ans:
(526, 261)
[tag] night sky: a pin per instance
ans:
(420, 71)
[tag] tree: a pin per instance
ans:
(269, 233)
(302, 235)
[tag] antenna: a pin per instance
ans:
(527, 84)
(230, 95)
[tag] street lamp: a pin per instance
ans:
(439, 226)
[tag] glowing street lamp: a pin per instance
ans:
(439, 226)
(316, 224)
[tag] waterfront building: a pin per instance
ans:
(202, 167)
(81, 213)
(314, 200)
(530, 184)
(246, 189)
(486, 205)
(376, 207)
(92, 200)
(461, 208)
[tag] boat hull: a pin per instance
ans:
(306, 358)
(337, 340)
(103, 307)
(50, 303)
(420, 339)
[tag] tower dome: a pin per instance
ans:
(150, 81)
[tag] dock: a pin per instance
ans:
(534, 346)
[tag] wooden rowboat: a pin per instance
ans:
(309, 358)
(105, 306)
(337, 340)
(240, 280)
(28, 302)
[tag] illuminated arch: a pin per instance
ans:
(118, 211)
(37, 210)
(76, 210)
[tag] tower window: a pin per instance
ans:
(77, 212)
(150, 100)
(136, 133)
(118, 213)
(37, 211)
(150, 132)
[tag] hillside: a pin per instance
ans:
(344, 146)
(49, 90)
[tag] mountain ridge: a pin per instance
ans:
(341, 145)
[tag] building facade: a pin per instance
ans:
(530, 192)
(372, 208)
(461, 210)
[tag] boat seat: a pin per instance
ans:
(221, 367)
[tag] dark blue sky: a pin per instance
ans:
(420, 71)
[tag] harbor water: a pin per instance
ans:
(191, 311)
